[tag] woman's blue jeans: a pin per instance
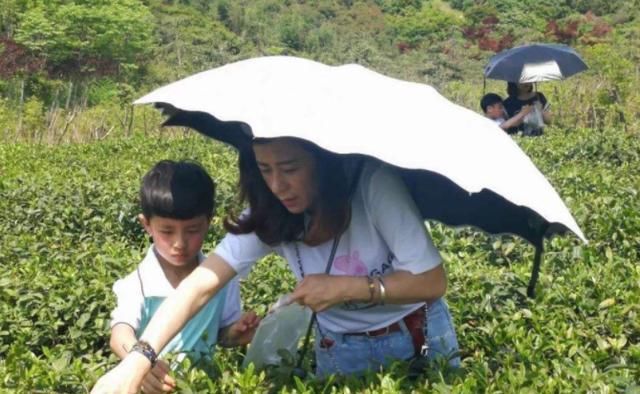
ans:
(353, 354)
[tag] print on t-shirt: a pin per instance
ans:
(350, 265)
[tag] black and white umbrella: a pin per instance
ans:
(535, 63)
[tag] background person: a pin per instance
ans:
(493, 108)
(521, 94)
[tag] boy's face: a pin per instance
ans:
(177, 241)
(495, 111)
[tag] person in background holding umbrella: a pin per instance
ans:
(520, 95)
(382, 299)
(493, 108)
(527, 64)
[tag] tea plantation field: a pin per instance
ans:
(68, 231)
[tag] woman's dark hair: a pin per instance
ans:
(512, 89)
(270, 219)
(177, 190)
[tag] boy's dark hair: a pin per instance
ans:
(177, 190)
(489, 99)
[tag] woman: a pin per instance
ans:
(307, 204)
(521, 95)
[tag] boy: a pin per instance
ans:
(493, 108)
(177, 201)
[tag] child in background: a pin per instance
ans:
(493, 108)
(177, 201)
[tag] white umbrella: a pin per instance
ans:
(462, 169)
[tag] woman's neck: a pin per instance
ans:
(317, 233)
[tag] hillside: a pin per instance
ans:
(70, 69)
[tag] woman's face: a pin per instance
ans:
(289, 172)
(524, 88)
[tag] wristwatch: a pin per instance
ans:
(146, 350)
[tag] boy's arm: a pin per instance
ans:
(192, 293)
(158, 380)
(516, 119)
(122, 339)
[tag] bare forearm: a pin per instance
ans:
(514, 121)
(401, 287)
(189, 297)
(122, 339)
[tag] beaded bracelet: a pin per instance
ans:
(146, 350)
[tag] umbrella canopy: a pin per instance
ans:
(460, 167)
(535, 63)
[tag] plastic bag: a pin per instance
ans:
(282, 328)
(533, 122)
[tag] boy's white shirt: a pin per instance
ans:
(130, 299)
(384, 218)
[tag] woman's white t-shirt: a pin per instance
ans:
(386, 234)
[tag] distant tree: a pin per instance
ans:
(189, 40)
(587, 29)
(399, 6)
(88, 37)
(598, 7)
(9, 12)
(431, 23)
(16, 60)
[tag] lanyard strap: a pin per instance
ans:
(307, 337)
(334, 248)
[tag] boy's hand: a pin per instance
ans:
(158, 381)
(241, 332)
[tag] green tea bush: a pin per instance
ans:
(69, 231)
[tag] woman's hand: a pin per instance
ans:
(126, 377)
(526, 109)
(322, 291)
